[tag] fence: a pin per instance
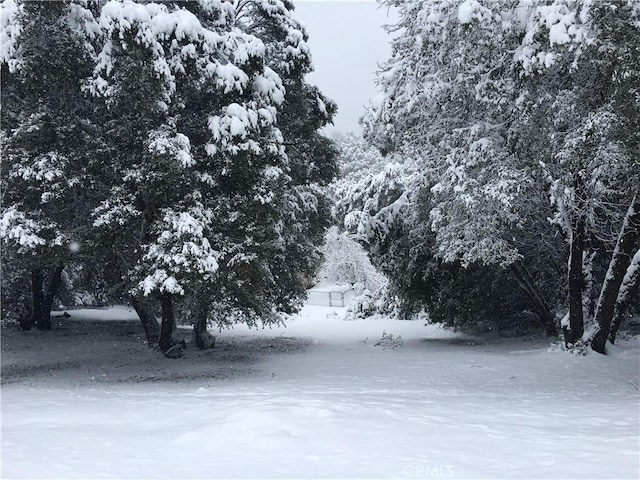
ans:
(330, 296)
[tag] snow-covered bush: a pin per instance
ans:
(389, 342)
(579, 349)
(368, 304)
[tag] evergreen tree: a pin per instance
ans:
(205, 204)
(573, 57)
(448, 92)
(496, 134)
(49, 133)
(311, 156)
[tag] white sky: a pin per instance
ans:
(347, 43)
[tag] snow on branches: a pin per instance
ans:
(10, 29)
(16, 227)
(180, 251)
(551, 28)
(174, 38)
(448, 109)
(515, 112)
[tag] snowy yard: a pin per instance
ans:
(315, 399)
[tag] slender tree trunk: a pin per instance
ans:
(201, 337)
(37, 298)
(528, 285)
(576, 284)
(44, 322)
(620, 261)
(200, 331)
(148, 320)
(168, 322)
(628, 290)
(588, 294)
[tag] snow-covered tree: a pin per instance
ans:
(357, 158)
(48, 138)
(311, 156)
(447, 96)
(580, 64)
(628, 292)
(448, 92)
(214, 196)
(503, 104)
(191, 110)
(345, 261)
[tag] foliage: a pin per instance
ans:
(168, 146)
(345, 261)
(49, 136)
(494, 103)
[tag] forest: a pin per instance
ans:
(170, 156)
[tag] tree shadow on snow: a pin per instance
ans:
(80, 352)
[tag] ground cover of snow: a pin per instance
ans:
(318, 398)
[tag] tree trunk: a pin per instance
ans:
(201, 337)
(628, 290)
(620, 261)
(576, 284)
(589, 297)
(44, 322)
(168, 322)
(148, 320)
(528, 285)
(37, 298)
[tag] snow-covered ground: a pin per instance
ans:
(315, 399)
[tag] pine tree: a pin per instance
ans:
(49, 133)
(205, 204)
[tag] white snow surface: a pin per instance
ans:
(441, 405)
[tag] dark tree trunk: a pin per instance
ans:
(44, 322)
(528, 285)
(620, 260)
(168, 322)
(201, 337)
(631, 290)
(576, 284)
(25, 321)
(148, 320)
(37, 298)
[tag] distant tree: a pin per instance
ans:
(358, 158)
(345, 261)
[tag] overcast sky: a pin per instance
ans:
(347, 43)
